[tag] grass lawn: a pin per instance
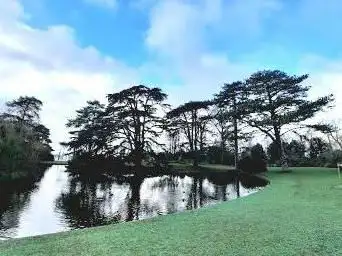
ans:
(300, 213)
(188, 168)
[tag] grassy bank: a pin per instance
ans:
(300, 213)
(185, 168)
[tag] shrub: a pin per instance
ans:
(253, 160)
(330, 158)
(20, 152)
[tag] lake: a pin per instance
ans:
(60, 203)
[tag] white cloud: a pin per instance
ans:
(325, 77)
(50, 65)
(103, 3)
(178, 35)
(175, 29)
(325, 82)
(179, 27)
(242, 19)
(10, 11)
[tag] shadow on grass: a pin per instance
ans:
(284, 171)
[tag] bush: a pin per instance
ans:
(88, 165)
(330, 158)
(214, 156)
(20, 152)
(253, 160)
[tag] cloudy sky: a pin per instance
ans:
(66, 52)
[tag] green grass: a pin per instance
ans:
(188, 168)
(300, 213)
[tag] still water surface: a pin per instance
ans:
(60, 203)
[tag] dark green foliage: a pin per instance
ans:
(90, 134)
(270, 101)
(42, 133)
(127, 127)
(251, 181)
(280, 101)
(24, 142)
(311, 153)
(173, 135)
(316, 148)
(253, 160)
(192, 120)
(223, 125)
(323, 128)
(135, 119)
(273, 153)
(94, 166)
(259, 158)
(24, 109)
(295, 152)
(191, 106)
(214, 156)
(330, 158)
(231, 102)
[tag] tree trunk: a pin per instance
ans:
(134, 201)
(200, 191)
(281, 151)
(138, 159)
(237, 186)
(236, 139)
(196, 162)
(236, 143)
(222, 152)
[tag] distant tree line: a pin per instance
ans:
(136, 126)
(24, 141)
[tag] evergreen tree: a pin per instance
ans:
(279, 103)
(192, 119)
(232, 100)
(136, 122)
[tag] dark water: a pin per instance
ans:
(60, 203)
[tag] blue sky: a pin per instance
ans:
(118, 28)
(117, 31)
(66, 52)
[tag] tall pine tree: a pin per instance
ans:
(279, 102)
(232, 99)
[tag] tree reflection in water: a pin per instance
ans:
(14, 196)
(134, 201)
(128, 198)
(70, 203)
(87, 204)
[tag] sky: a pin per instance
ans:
(67, 52)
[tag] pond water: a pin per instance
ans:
(59, 203)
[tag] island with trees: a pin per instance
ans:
(137, 129)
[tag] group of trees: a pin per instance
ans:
(130, 125)
(24, 141)
(307, 151)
